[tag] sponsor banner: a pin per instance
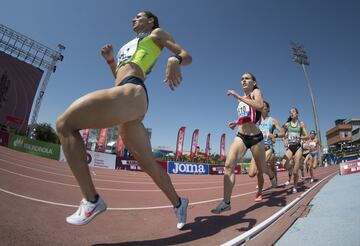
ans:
(85, 134)
(120, 145)
(35, 147)
(4, 138)
(103, 160)
(180, 142)
(62, 156)
(219, 169)
(133, 165)
(187, 168)
(350, 167)
(102, 139)
(207, 146)
(194, 143)
(222, 147)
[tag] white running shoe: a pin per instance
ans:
(294, 190)
(287, 182)
(181, 213)
(222, 207)
(86, 212)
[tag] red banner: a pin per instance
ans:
(85, 134)
(13, 119)
(4, 138)
(102, 140)
(194, 143)
(222, 147)
(207, 146)
(350, 167)
(180, 142)
(120, 146)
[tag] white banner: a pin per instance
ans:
(96, 159)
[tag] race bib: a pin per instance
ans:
(243, 110)
(294, 137)
(127, 51)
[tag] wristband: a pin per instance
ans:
(179, 58)
(111, 61)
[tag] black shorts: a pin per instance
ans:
(294, 148)
(250, 141)
(305, 154)
(267, 147)
(135, 81)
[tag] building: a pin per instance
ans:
(344, 138)
(355, 132)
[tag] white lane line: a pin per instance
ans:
(64, 167)
(127, 209)
(115, 209)
(114, 189)
(105, 180)
(246, 236)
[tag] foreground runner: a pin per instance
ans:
(295, 130)
(249, 136)
(313, 162)
(124, 105)
(267, 126)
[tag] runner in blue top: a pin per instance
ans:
(267, 126)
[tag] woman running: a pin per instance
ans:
(306, 155)
(313, 162)
(249, 136)
(267, 126)
(124, 105)
(296, 131)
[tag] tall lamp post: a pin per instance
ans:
(300, 56)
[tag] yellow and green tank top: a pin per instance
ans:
(142, 51)
(294, 133)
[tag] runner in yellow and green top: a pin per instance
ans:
(295, 131)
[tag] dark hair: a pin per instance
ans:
(289, 118)
(151, 15)
(312, 131)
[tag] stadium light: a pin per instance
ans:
(300, 56)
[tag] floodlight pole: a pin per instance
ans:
(301, 57)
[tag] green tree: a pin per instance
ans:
(45, 132)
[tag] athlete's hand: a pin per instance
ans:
(233, 93)
(173, 73)
(107, 51)
(232, 124)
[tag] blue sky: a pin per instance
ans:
(225, 38)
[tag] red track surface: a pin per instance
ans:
(37, 194)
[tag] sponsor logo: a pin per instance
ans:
(37, 148)
(88, 158)
(188, 168)
(18, 142)
(88, 214)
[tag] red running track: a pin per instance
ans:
(37, 194)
